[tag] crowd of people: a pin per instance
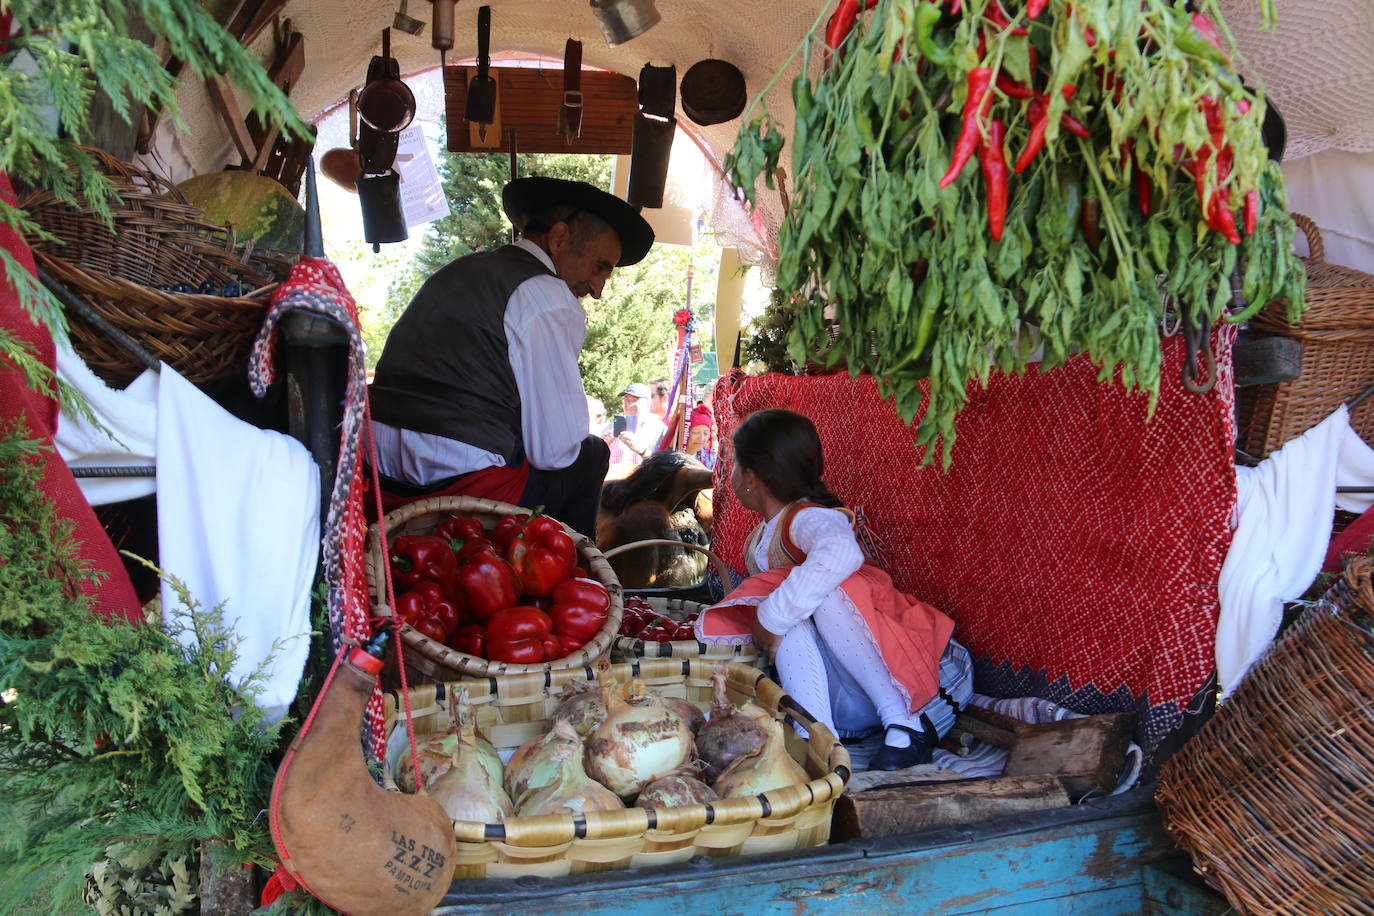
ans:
(642, 427)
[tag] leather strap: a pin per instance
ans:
(570, 111)
(572, 66)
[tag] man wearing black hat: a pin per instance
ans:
(477, 391)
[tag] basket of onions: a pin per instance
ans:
(658, 627)
(485, 588)
(620, 766)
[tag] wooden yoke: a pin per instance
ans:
(357, 847)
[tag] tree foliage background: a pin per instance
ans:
(629, 332)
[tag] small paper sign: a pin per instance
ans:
(422, 195)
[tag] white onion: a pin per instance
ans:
(582, 705)
(770, 767)
(640, 741)
(466, 790)
(538, 762)
(571, 791)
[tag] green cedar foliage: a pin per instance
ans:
(110, 731)
(78, 46)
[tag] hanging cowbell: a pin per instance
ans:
(654, 127)
(481, 105)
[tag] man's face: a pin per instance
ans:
(584, 268)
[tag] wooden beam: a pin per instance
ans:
(528, 101)
(222, 98)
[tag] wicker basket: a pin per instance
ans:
(510, 710)
(1274, 796)
(629, 649)
(159, 239)
(430, 661)
(1337, 334)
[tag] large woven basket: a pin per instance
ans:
(510, 710)
(630, 649)
(1337, 334)
(430, 661)
(1274, 797)
(159, 239)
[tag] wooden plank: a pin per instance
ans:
(984, 868)
(528, 102)
(921, 774)
(222, 98)
(907, 809)
(1085, 753)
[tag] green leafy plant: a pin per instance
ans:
(110, 730)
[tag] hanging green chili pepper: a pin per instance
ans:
(1070, 196)
(994, 165)
(975, 109)
(927, 16)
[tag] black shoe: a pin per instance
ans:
(921, 749)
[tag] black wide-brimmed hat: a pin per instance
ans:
(523, 196)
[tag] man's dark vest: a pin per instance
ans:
(445, 368)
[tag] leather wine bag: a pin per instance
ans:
(352, 844)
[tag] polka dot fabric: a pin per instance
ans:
(1076, 541)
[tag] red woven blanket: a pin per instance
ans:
(1075, 541)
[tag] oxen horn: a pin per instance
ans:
(359, 848)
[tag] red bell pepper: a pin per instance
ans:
(471, 639)
(419, 557)
(428, 610)
(542, 555)
(462, 533)
(580, 608)
(518, 622)
(553, 647)
(516, 651)
(516, 635)
(485, 583)
(506, 530)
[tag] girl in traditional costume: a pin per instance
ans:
(850, 647)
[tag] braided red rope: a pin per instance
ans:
(390, 589)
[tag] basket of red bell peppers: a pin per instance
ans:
(483, 588)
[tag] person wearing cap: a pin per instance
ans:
(477, 391)
(643, 428)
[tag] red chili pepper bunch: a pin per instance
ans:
(514, 594)
(1103, 168)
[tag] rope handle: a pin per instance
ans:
(390, 588)
(1315, 245)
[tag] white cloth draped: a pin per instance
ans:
(238, 512)
(1283, 525)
